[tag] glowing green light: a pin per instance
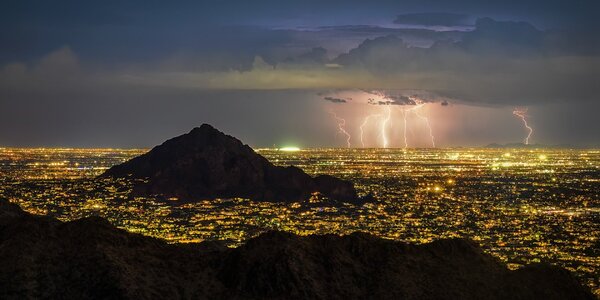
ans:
(289, 149)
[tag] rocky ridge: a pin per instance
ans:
(41, 257)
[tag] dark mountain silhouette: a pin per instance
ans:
(41, 257)
(206, 163)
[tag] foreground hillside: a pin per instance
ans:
(41, 257)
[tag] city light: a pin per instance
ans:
(289, 149)
(520, 205)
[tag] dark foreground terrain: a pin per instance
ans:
(41, 257)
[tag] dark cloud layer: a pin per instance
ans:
(121, 31)
(83, 57)
(434, 19)
(390, 98)
(497, 63)
(335, 100)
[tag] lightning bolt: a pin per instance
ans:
(341, 127)
(426, 119)
(384, 126)
(405, 112)
(405, 126)
(522, 114)
(363, 124)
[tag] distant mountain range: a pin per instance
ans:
(533, 146)
(43, 258)
(206, 163)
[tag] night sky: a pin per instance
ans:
(273, 73)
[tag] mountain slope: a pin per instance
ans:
(206, 163)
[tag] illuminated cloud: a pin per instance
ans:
(498, 63)
(219, 59)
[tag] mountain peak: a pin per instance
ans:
(204, 129)
(207, 163)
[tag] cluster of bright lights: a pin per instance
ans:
(289, 149)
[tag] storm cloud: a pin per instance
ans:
(69, 57)
(434, 19)
(335, 100)
(502, 63)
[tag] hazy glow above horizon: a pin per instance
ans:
(289, 149)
